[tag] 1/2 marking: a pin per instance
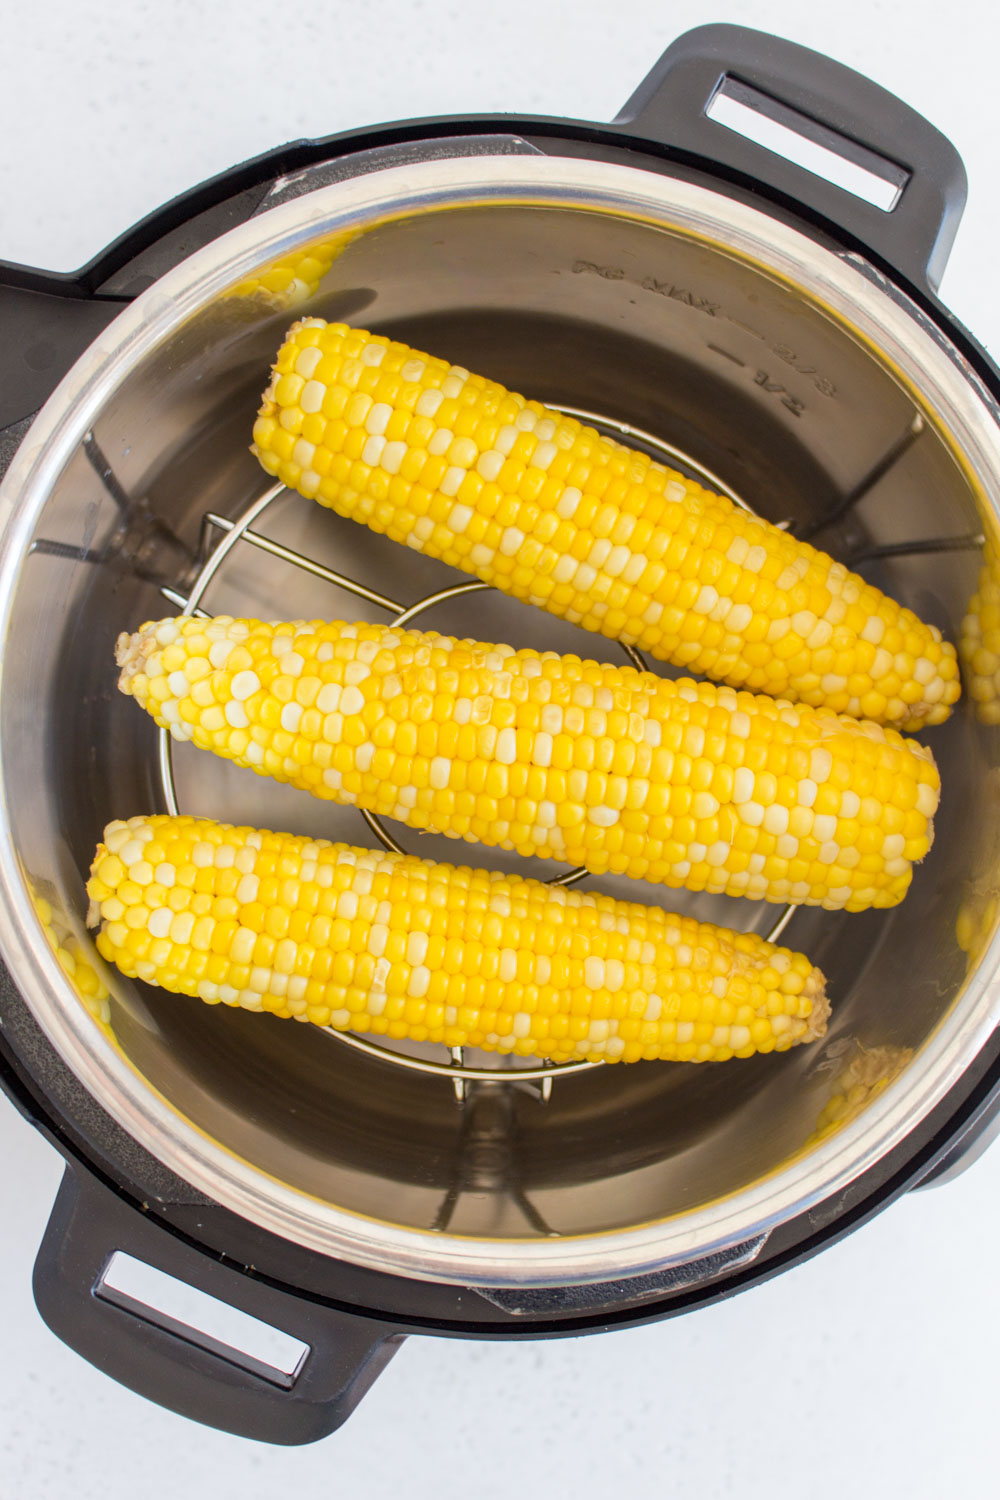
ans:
(775, 388)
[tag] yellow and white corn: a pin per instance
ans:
(546, 509)
(679, 782)
(979, 645)
(401, 947)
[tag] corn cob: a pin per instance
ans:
(679, 782)
(401, 947)
(548, 510)
(979, 645)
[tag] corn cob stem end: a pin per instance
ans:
(814, 990)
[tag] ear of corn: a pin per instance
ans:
(401, 947)
(979, 645)
(546, 509)
(678, 782)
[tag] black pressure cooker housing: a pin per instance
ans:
(115, 1195)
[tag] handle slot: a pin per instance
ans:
(218, 1327)
(806, 143)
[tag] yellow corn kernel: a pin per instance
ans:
(631, 981)
(641, 553)
(727, 791)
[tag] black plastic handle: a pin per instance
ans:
(179, 1367)
(914, 237)
(46, 327)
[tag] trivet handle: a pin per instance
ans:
(180, 1367)
(829, 105)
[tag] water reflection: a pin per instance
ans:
(291, 281)
(864, 1074)
(74, 953)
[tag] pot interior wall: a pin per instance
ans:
(619, 318)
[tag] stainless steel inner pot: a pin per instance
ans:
(792, 370)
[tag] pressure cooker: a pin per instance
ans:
(686, 288)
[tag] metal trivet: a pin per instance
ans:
(213, 556)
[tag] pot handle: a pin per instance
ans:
(829, 105)
(48, 320)
(180, 1367)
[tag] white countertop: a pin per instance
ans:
(867, 1371)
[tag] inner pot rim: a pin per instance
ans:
(847, 289)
